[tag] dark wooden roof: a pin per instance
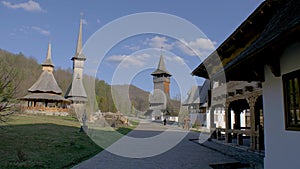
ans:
(273, 25)
(161, 68)
(76, 91)
(45, 96)
(48, 61)
(45, 84)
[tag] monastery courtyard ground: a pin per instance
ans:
(187, 154)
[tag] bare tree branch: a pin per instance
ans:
(8, 88)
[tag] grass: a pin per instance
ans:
(106, 136)
(31, 141)
(134, 123)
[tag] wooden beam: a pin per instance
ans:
(274, 64)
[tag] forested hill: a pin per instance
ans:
(28, 71)
(131, 99)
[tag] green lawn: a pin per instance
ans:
(29, 141)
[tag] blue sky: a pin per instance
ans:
(27, 27)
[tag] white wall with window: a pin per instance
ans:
(282, 130)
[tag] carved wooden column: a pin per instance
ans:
(228, 137)
(251, 101)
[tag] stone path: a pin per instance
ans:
(241, 154)
(185, 155)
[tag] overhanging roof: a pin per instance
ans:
(161, 68)
(242, 57)
(45, 83)
(45, 96)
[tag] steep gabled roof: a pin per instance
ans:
(46, 87)
(76, 91)
(193, 96)
(78, 53)
(198, 94)
(48, 61)
(161, 68)
(46, 83)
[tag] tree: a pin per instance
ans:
(8, 88)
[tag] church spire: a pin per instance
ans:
(48, 62)
(76, 92)
(78, 53)
(161, 68)
(161, 64)
(79, 40)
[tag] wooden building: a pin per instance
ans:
(76, 92)
(161, 106)
(266, 48)
(45, 94)
(197, 104)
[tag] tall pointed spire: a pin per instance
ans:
(46, 82)
(48, 61)
(76, 92)
(78, 53)
(161, 64)
(161, 68)
(79, 40)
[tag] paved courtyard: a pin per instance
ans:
(186, 154)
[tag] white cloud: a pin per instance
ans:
(41, 30)
(179, 60)
(129, 60)
(176, 59)
(158, 42)
(200, 47)
(31, 6)
(26, 29)
(132, 47)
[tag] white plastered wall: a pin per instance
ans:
(282, 147)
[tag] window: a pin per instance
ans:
(291, 100)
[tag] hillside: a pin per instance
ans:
(128, 96)
(28, 71)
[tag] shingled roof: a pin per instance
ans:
(46, 83)
(272, 26)
(48, 61)
(46, 87)
(161, 68)
(198, 94)
(283, 24)
(45, 96)
(78, 53)
(76, 91)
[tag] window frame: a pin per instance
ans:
(285, 78)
